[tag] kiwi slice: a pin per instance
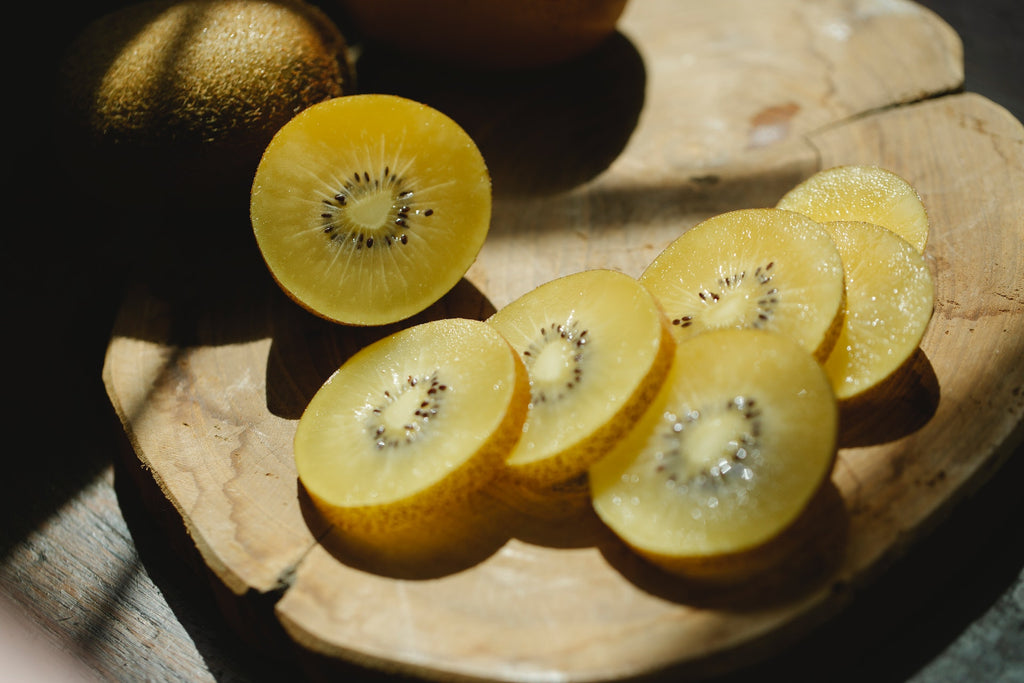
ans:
(369, 208)
(752, 268)
(738, 442)
(862, 193)
(411, 425)
(596, 346)
(890, 295)
(174, 101)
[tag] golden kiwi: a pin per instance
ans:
(411, 425)
(174, 100)
(369, 208)
(890, 297)
(753, 268)
(597, 347)
(862, 193)
(729, 454)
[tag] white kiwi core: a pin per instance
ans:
(372, 210)
(554, 364)
(595, 344)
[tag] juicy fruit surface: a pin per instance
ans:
(862, 193)
(369, 208)
(889, 300)
(596, 348)
(736, 444)
(752, 268)
(411, 423)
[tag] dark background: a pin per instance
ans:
(953, 606)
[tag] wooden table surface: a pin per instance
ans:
(90, 588)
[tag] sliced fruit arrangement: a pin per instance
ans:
(737, 443)
(411, 424)
(890, 295)
(597, 347)
(369, 208)
(695, 408)
(760, 268)
(863, 193)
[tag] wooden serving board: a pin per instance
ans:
(696, 108)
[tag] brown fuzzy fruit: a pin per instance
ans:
(176, 99)
(496, 34)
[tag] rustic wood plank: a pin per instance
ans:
(955, 422)
(99, 625)
(734, 108)
(189, 410)
(971, 181)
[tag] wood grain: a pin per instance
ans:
(694, 109)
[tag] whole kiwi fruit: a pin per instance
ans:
(496, 35)
(170, 103)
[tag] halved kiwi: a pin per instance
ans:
(597, 347)
(369, 208)
(738, 442)
(411, 425)
(759, 268)
(890, 296)
(862, 193)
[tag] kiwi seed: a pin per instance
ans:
(418, 402)
(369, 208)
(567, 342)
(725, 459)
(765, 304)
(734, 464)
(409, 427)
(596, 346)
(368, 211)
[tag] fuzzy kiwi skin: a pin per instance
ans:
(171, 102)
(492, 35)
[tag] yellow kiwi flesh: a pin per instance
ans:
(597, 347)
(890, 295)
(752, 268)
(369, 208)
(740, 439)
(411, 424)
(862, 193)
(175, 100)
